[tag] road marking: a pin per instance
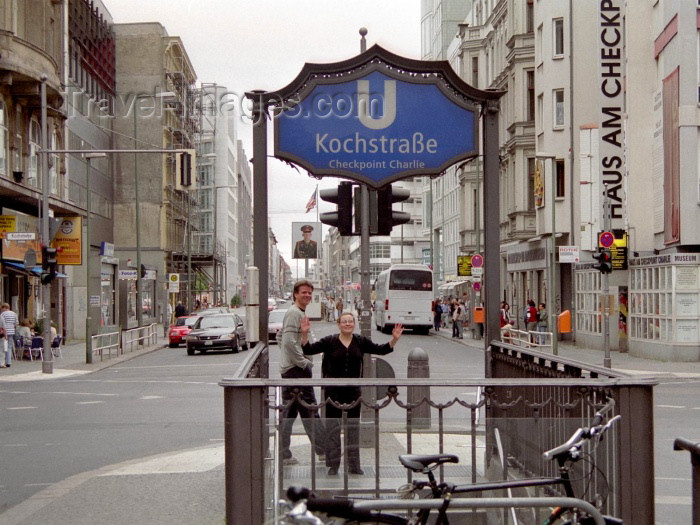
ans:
(20, 408)
(15, 445)
(37, 484)
(670, 406)
(89, 402)
(672, 479)
(145, 398)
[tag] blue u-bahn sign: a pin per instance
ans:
(375, 123)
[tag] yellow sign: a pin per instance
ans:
(619, 250)
(15, 250)
(68, 241)
(464, 265)
(539, 184)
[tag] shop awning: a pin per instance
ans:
(34, 271)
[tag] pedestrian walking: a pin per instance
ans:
(437, 314)
(530, 318)
(180, 309)
(542, 322)
(293, 365)
(11, 324)
(458, 318)
(3, 343)
(343, 357)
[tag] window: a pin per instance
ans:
(531, 184)
(558, 44)
(530, 115)
(529, 16)
(34, 139)
(558, 104)
(540, 112)
(475, 72)
(53, 164)
(560, 174)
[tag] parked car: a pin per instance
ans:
(217, 332)
(274, 325)
(271, 304)
(179, 329)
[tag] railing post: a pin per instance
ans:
(419, 367)
(245, 446)
(694, 449)
(635, 484)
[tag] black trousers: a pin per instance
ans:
(313, 425)
(334, 423)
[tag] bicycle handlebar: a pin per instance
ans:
(584, 433)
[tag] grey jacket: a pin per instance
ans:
(292, 355)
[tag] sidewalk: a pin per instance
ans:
(73, 362)
(621, 362)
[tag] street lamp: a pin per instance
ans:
(88, 243)
(137, 203)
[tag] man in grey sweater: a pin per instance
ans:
(293, 364)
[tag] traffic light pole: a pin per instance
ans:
(47, 363)
(607, 363)
(365, 311)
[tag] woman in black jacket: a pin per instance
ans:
(342, 357)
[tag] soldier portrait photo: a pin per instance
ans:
(306, 247)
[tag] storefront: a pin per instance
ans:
(663, 318)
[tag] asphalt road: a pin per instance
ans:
(142, 441)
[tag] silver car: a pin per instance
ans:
(217, 332)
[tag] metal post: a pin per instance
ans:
(553, 319)
(88, 238)
(607, 362)
(88, 256)
(137, 204)
(260, 233)
(365, 311)
(47, 363)
(491, 229)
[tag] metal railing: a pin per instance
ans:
(534, 400)
(528, 339)
(694, 449)
(141, 336)
(106, 342)
(121, 342)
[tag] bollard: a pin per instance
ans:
(419, 367)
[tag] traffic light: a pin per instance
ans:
(604, 258)
(341, 219)
(386, 217)
(186, 170)
(49, 264)
(143, 271)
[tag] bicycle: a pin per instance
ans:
(566, 455)
(302, 504)
(303, 508)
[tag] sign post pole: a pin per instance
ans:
(607, 363)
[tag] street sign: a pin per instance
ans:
(464, 265)
(174, 287)
(477, 271)
(568, 254)
(130, 275)
(476, 285)
(606, 239)
(173, 277)
(477, 261)
(21, 236)
(375, 124)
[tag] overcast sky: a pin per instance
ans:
(263, 44)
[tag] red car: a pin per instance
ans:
(178, 331)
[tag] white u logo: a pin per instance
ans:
(389, 113)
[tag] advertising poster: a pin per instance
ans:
(306, 238)
(68, 240)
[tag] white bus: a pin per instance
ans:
(404, 294)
